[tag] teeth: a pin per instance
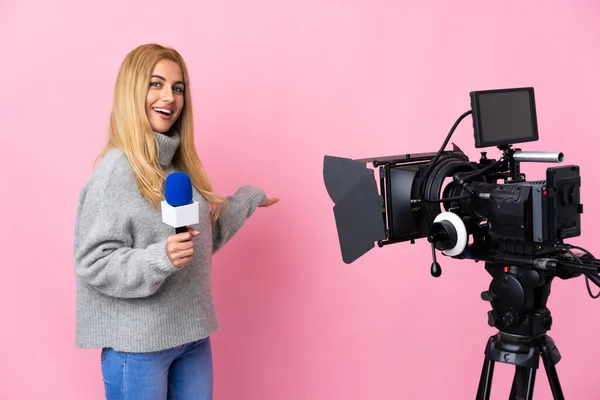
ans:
(162, 110)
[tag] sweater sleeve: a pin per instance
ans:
(240, 207)
(103, 248)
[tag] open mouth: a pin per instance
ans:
(163, 111)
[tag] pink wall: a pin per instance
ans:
(277, 85)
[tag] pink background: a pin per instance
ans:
(277, 85)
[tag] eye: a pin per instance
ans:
(179, 89)
(155, 84)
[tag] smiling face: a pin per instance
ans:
(165, 97)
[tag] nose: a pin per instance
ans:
(167, 94)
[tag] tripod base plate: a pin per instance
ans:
(524, 354)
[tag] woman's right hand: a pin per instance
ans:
(180, 247)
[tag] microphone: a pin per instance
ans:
(178, 209)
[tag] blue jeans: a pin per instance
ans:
(181, 373)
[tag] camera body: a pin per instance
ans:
(531, 217)
(516, 216)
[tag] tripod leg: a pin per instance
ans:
(485, 382)
(551, 357)
(530, 383)
(523, 384)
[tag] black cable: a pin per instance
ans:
(455, 198)
(587, 282)
(439, 153)
(484, 170)
(567, 248)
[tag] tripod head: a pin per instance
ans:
(518, 295)
(518, 298)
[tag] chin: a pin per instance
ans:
(161, 128)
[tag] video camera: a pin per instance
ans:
(491, 213)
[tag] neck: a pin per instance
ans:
(168, 143)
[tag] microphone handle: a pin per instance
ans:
(181, 229)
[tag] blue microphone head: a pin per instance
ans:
(178, 189)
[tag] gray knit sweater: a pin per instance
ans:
(129, 296)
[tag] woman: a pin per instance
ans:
(143, 292)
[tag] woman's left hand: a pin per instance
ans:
(269, 202)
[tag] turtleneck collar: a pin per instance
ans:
(167, 146)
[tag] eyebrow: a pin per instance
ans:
(160, 77)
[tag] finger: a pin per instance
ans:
(171, 249)
(265, 203)
(183, 237)
(270, 202)
(184, 246)
(182, 261)
(175, 247)
(193, 232)
(184, 253)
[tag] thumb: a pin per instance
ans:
(193, 231)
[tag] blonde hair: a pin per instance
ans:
(131, 132)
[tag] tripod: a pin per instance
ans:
(518, 298)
